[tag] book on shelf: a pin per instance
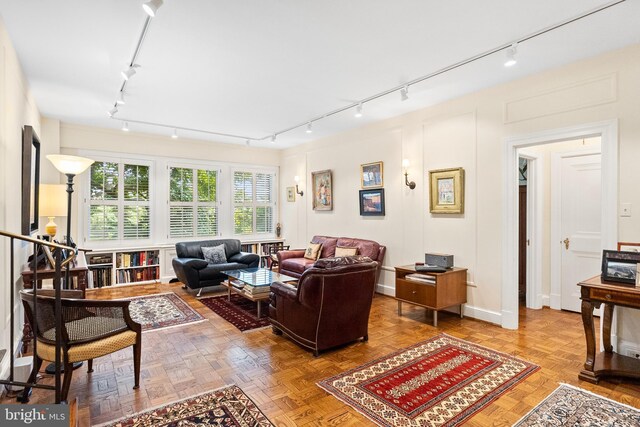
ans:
(422, 278)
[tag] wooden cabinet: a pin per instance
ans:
(435, 291)
(594, 293)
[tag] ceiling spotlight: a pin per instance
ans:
(404, 93)
(273, 138)
(151, 7)
(129, 72)
(113, 111)
(309, 129)
(248, 142)
(125, 127)
(358, 110)
(120, 100)
(511, 55)
(175, 134)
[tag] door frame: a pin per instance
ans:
(608, 132)
(556, 223)
(535, 197)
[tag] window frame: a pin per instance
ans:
(254, 204)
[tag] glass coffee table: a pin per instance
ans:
(253, 283)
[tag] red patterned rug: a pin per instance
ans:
(227, 406)
(160, 311)
(438, 382)
(240, 312)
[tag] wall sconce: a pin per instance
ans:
(405, 165)
(297, 179)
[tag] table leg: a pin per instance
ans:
(259, 309)
(435, 318)
(229, 292)
(399, 308)
(589, 332)
(461, 312)
(606, 327)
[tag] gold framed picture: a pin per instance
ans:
(371, 175)
(628, 247)
(291, 194)
(447, 191)
(322, 187)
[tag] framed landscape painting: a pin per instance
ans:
(322, 188)
(372, 202)
(371, 175)
(447, 191)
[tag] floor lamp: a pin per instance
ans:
(70, 166)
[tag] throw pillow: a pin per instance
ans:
(313, 251)
(215, 254)
(344, 251)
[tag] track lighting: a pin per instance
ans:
(358, 110)
(404, 93)
(511, 55)
(120, 100)
(129, 72)
(125, 127)
(273, 138)
(248, 143)
(175, 134)
(152, 6)
(113, 111)
(309, 129)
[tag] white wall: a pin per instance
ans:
(469, 132)
(17, 108)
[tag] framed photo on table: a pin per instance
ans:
(372, 202)
(371, 175)
(618, 266)
(628, 247)
(447, 191)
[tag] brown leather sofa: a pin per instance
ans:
(329, 307)
(293, 263)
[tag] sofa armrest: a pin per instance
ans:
(284, 290)
(250, 259)
(294, 253)
(195, 263)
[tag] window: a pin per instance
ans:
(119, 202)
(253, 202)
(193, 209)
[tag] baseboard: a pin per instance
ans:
(386, 290)
(627, 348)
(483, 314)
(546, 300)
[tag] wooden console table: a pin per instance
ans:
(595, 292)
(448, 289)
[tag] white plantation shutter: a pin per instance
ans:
(119, 202)
(193, 209)
(254, 202)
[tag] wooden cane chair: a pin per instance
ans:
(271, 253)
(92, 328)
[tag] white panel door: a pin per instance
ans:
(580, 224)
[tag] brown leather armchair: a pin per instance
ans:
(329, 307)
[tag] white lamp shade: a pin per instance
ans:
(73, 165)
(296, 178)
(405, 163)
(53, 200)
(151, 7)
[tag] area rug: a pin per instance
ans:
(240, 312)
(227, 406)
(160, 311)
(438, 382)
(573, 406)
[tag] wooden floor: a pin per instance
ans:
(281, 377)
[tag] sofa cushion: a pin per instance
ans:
(341, 252)
(367, 248)
(297, 265)
(313, 251)
(328, 245)
(214, 254)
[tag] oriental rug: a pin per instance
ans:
(227, 406)
(240, 312)
(438, 382)
(160, 311)
(573, 406)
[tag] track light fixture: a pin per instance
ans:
(248, 143)
(113, 111)
(273, 138)
(129, 72)
(309, 127)
(120, 100)
(175, 134)
(125, 127)
(151, 7)
(404, 93)
(358, 110)
(511, 55)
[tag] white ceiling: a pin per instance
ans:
(256, 67)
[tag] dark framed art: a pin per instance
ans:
(372, 202)
(30, 180)
(620, 266)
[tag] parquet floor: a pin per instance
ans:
(280, 377)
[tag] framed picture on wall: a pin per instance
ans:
(30, 180)
(447, 191)
(371, 175)
(628, 247)
(322, 187)
(372, 202)
(291, 194)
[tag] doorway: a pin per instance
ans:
(607, 131)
